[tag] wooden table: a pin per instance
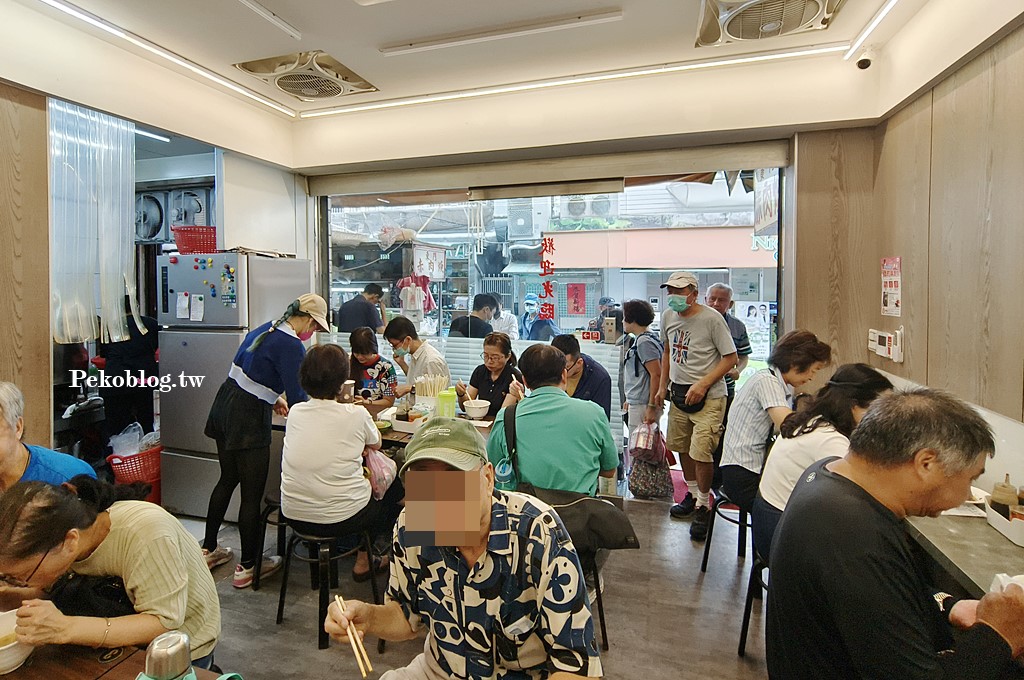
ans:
(71, 662)
(967, 549)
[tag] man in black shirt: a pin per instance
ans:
(476, 324)
(846, 596)
(362, 310)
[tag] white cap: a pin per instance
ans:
(681, 280)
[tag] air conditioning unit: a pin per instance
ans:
(152, 217)
(580, 206)
(308, 76)
(726, 21)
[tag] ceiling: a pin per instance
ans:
(218, 34)
(146, 147)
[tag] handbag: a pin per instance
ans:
(650, 480)
(678, 395)
(647, 443)
(591, 523)
(380, 470)
(97, 596)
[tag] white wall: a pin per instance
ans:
(262, 207)
(175, 167)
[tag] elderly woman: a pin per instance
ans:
(493, 379)
(93, 529)
(323, 489)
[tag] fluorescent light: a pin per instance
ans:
(559, 24)
(152, 135)
(107, 27)
(272, 18)
(577, 80)
(869, 29)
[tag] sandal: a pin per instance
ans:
(381, 568)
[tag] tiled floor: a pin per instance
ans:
(665, 619)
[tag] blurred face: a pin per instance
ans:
(573, 366)
(940, 491)
(799, 378)
(445, 506)
(719, 299)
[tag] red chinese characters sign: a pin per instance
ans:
(547, 268)
(576, 299)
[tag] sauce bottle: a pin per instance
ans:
(1003, 496)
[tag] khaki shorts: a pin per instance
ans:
(696, 433)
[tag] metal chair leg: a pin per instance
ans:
(711, 533)
(741, 551)
(324, 567)
(284, 577)
(600, 603)
(753, 582)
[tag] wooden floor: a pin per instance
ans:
(665, 618)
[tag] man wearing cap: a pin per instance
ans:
(604, 305)
(491, 576)
(699, 351)
(531, 326)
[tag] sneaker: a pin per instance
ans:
(218, 557)
(243, 576)
(699, 526)
(684, 509)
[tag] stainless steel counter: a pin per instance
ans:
(968, 549)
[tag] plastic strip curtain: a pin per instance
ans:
(92, 203)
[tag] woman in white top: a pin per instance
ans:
(822, 430)
(323, 489)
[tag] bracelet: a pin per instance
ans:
(105, 634)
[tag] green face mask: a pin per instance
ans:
(678, 303)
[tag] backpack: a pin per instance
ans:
(634, 350)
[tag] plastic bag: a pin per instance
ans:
(150, 441)
(381, 471)
(127, 443)
(647, 443)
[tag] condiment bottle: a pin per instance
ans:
(1003, 496)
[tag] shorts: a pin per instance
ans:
(696, 433)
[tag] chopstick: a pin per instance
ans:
(357, 642)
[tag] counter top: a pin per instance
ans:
(968, 548)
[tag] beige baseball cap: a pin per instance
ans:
(314, 305)
(681, 280)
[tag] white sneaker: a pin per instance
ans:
(243, 576)
(218, 557)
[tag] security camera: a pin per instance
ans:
(865, 59)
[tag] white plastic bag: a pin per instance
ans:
(127, 443)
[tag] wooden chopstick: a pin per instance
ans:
(357, 642)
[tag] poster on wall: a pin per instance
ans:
(892, 284)
(757, 317)
(766, 202)
(576, 299)
(428, 261)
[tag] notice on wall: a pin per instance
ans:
(181, 308)
(576, 299)
(766, 202)
(757, 317)
(892, 285)
(198, 308)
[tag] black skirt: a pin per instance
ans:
(239, 420)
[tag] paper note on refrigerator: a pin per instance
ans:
(198, 308)
(181, 309)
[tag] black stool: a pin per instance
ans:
(740, 520)
(323, 576)
(755, 584)
(273, 506)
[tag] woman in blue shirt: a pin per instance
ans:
(265, 367)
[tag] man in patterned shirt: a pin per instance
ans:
(492, 576)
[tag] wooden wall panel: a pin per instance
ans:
(25, 344)
(976, 248)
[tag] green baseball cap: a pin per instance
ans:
(453, 441)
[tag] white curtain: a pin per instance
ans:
(92, 216)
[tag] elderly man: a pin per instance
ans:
(847, 596)
(585, 378)
(719, 298)
(531, 326)
(491, 576)
(699, 351)
(364, 309)
(20, 462)
(416, 357)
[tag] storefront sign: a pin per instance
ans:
(576, 299)
(892, 284)
(766, 201)
(428, 261)
(547, 268)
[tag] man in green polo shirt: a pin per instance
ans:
(562, 443)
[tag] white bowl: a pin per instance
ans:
(476, 408)
(13, 654)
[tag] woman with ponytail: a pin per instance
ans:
(821, 430)
(265, 368)
(133, 571)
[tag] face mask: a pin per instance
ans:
(306, 335)
(401, 352)
(530, 309)
(678, 303)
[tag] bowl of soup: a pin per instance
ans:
(476, 408)
(12, 652)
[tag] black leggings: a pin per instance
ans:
(247, 467)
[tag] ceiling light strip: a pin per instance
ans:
(152, 135)
(563, 23)
(577, 80)
(272, 18)
(113, 30)
(869, 29)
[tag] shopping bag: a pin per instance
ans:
(647, 443)
(380, 470)
(650, 480)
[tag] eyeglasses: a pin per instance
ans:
(492, 357)
(16, 582)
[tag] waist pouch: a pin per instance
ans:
(678, 396)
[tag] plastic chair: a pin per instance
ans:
(323, 576)
(755, 584)
(272, 506)
(741, 520)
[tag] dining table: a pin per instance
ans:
(393, 437)
(73, 662)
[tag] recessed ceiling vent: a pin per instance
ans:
(309, 76)
(726, 21)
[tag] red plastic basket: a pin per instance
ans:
(142, 467)
(195, 239)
